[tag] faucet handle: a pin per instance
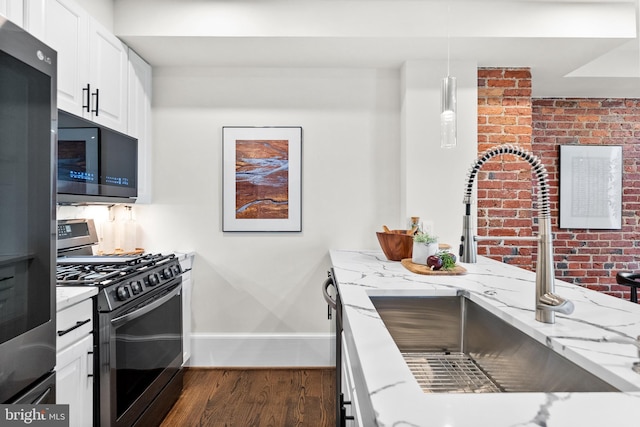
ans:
(553, 302)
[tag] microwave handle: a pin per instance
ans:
(146, 308)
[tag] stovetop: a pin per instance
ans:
(95, 270)
(120, 279)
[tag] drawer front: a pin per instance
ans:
(74, 323)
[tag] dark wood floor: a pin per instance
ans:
(255, 397)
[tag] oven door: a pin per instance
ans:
(140, 353)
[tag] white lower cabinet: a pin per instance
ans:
(74, 381)
(74, 362)
(349, 390)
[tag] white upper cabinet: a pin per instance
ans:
(64, 27)
(92, 62)
(108, 70)
(139, 123)
(13, 10)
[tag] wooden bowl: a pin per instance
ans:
(396, 244)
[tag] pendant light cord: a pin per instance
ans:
(448, 39)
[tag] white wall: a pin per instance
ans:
(253, 285)
(264, 283)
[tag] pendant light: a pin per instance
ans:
(448, 107)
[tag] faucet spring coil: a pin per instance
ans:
(533, 160)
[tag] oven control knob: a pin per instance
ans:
(167, 273)
(136, 287)
(175, 269)
(122, 293)
(153, 279)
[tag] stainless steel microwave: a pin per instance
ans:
(95, 164)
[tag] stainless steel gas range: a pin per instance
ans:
(138, 336)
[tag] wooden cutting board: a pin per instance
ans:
(423, 269)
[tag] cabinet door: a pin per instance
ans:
(13, 10)
(108, 68)
(88, 54)
(74, 323)
(62, 24)
(74, 381)
(349, 389)
(139, 122)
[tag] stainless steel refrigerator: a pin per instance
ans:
(28, 126)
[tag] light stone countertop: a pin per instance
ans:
(66, 296)
(508, 292)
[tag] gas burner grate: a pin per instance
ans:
(87, 273)
(99, 270)
(444, 372)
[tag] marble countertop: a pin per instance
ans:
(67, 296)
(508, 292)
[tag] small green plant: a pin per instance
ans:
(448, 260)
(425, 238)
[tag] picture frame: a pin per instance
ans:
(590, 187)
(262, 178)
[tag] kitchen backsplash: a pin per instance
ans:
(116, 226)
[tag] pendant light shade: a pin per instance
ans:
(448, 114)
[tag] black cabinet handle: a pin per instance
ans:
(86, 106)
(76, 326)
(89, 353)
(97, 95)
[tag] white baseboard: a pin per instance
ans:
(262, 350)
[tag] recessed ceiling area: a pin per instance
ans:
(574, 48)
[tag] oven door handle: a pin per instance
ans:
(325, 291)
(146, 308)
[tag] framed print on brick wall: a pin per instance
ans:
(262, 178)
(591, 186)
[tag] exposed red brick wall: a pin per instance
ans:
(504, 182)
(508, 114)
(593, 257)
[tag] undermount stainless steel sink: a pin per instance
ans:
(453, 345)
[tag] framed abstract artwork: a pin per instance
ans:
(261, 178)
(591, 186)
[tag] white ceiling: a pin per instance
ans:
(574, 48)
